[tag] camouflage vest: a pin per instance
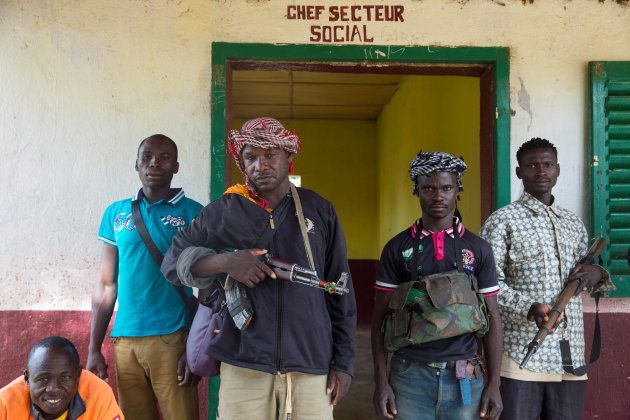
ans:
(435, 307)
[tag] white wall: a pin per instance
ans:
(81, 83)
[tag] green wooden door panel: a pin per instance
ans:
(610, 166)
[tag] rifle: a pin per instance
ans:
(569, 290)
(297, 274)
(239, 305)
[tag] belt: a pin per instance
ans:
(451, 364)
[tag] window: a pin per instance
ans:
(610, 166)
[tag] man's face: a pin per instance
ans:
(438, 195)
(157, 163)
(266, 168)
(539, 171)
(53, 381)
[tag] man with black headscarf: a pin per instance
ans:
(434, 281)
(295, 355)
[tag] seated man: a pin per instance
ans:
(55, 387)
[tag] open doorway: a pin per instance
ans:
(356, 153)
(361, 123)
(359, 131)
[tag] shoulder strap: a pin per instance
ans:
(565, 348)
(156, 254)
(300, 215)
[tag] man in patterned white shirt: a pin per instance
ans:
(536, 246)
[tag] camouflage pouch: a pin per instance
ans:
(438, 306)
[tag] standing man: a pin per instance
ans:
(295, 355)
(149, 332)
(536, 245)
(440, 377)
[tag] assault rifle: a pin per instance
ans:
(239, 305)
(569, 290)
(297, 274)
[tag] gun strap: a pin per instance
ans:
(565, 348)
(157, 256)
(300, 215)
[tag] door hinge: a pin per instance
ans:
(496, 113)
(595, 160)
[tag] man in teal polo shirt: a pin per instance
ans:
(149, 332)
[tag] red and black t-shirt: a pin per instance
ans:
(437, 255)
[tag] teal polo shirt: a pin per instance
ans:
(147, 303)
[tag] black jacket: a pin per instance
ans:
(295, 327)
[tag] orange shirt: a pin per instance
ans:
(96, 394)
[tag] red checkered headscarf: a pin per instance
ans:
(263, 132)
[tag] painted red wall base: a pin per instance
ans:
(363, 274)
(19, 330)
(607, 390)
(608, 386)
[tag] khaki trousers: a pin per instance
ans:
(146, 372)
(250, 394)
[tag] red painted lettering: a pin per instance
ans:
(368, 9)
(398, 13)
(316, 34)
(333, 13)
(355, 15)
(318, 11)
(339, 38)
(291, 12)
(378, 13)
(344, 13)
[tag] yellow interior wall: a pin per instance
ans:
(362, 166)
(429, 113)
(338, 162)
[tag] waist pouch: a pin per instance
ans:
(438, 306)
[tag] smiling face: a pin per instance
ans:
(157, 163)
(268, 169)
(539, 170)
(438, 196)
(53, 380)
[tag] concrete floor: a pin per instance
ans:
(357, 405)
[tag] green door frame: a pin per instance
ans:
(496, 57)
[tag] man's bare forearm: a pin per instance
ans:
(493, 343)
(103, 302)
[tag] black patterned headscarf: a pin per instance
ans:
(429, 162)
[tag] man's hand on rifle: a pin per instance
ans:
(587, 275)
(539, 312)
(245, 267)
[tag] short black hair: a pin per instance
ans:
(535, 143)
(159, 137)
(55, 342)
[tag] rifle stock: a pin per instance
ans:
(562, 301)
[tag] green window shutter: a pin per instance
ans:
(610, 166)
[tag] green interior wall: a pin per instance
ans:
(429, 113)
(339, 164)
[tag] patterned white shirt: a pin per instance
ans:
(535, 247)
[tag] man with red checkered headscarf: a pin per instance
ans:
(293, 355)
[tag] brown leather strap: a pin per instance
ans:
(300, 215)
